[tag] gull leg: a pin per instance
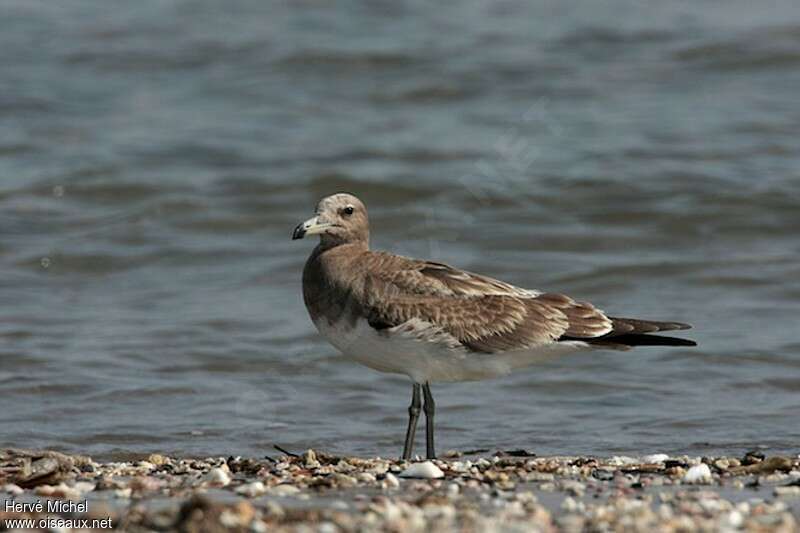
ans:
(430, 408)
(413, 416)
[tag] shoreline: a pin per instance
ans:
(508, 490)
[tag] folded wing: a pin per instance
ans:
(480, 313)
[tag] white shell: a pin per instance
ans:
(217, 477)
(391, 481)
(284, 490)
(251, 490)
(426, 470)
(698, 474)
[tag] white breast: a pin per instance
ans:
(426, 353)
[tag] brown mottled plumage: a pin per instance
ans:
(484, 314)
(344, 279)
(435, 322)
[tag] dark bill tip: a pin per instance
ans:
(299, 232)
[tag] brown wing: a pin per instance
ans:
(414, 276)
(585, 320)
(481, 323)
(481, 313)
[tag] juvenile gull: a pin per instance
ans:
(433, 322)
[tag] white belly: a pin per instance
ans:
(425, 354)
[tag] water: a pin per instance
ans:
(154, 158)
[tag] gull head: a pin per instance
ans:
(339, 219)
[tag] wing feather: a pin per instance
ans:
(481, 313)
(427, 277)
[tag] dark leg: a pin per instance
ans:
(413, 416)
(430, 408)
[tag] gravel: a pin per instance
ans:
(315, 491)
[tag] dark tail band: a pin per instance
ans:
(630, 332)
(638, 339)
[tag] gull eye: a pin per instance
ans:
(348, 210)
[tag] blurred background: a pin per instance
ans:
(155, 156)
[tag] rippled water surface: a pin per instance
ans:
(154, 158)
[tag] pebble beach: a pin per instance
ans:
(479, 490)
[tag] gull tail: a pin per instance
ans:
(630, 332)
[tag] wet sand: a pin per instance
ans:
(481, 491)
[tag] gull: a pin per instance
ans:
(436, 323)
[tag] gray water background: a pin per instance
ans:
(155, 156)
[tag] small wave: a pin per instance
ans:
(603, 36)
(386, 192)
(409, 155)
(426, 94)
(350, 60)
(198, 154)
(766, 384)
(755, 50)
(113, 192)
(88, 263)
(193, 55)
